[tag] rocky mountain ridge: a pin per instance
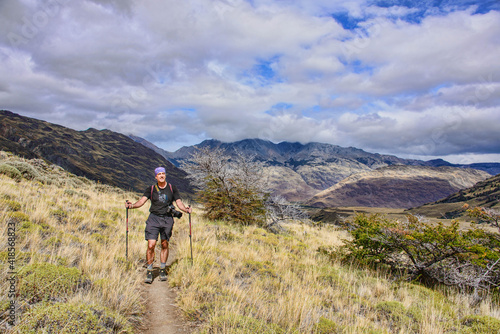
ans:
(300, 172)
(297, 154)
(297, 171)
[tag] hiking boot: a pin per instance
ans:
(149, 277)
(163, 275)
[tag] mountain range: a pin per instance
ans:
(324, 175)
(315, 174)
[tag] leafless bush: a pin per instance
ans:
(279, 210)
(234, 188)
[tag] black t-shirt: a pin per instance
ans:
(162, 198)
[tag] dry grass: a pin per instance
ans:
(243, 280)
(73, 223)
(249, 280)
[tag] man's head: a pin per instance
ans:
(160, 174)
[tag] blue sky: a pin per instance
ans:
(416, 79)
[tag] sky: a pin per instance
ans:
(415, 79)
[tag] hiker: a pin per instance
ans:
(160, 220)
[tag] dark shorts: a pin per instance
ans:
(158, 225)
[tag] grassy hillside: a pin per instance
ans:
(101, 155)
(252, 281)
(63, 239)
(484, 194)
(243, 280)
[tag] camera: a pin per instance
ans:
(171, 210)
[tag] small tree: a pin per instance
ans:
(229, 188)
(235, 188)
(436, 253)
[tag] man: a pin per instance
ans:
(160, 220)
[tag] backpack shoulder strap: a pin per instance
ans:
(151, 198)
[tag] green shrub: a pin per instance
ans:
(49, 180)
(52, 242)
(397, 315)
(17, 217)
(427, 253)
(105, 224)
(10, 205)
(20, 257)
(10, 171)
(327, 326)
(25, 168)
(46, 281)
(100, 238)
(425, 296)
(332, 277)
(265, 268)
(81, 203)
(70, 192)
(480, 325)
(59, 214)
(72, 318)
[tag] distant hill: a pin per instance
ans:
(492, 168)
(397, 187)
(485, 193)
(101, 155)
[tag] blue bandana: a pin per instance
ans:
(159, 170)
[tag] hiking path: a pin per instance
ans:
(162, 314)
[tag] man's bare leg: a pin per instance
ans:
(164, 251)
(163, 260)
(150, 257)
(150, 253)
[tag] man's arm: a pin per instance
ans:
(137, 204)
(182, 207)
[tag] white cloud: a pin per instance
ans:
(459, 48)
(179, 72)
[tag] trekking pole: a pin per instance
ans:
(126, 237)
(190, 238)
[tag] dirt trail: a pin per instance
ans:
(162, 315)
